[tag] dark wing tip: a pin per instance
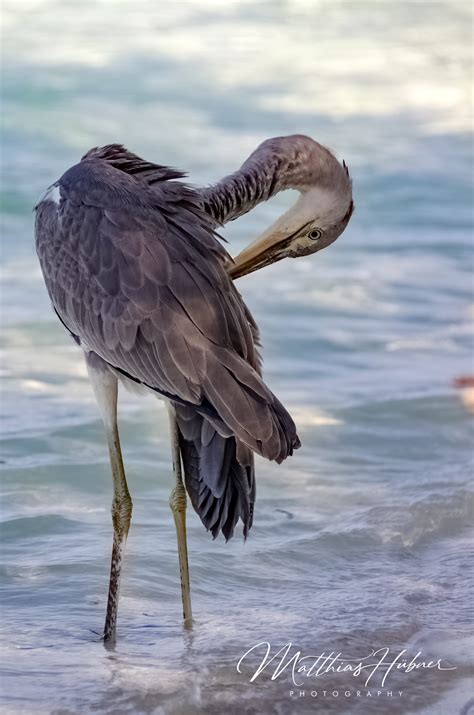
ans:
(289, 440)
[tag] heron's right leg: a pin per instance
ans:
(178, 502)
(104, 384)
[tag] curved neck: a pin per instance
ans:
(293, 162)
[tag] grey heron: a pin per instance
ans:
(136, 274)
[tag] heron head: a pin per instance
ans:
(316, 220)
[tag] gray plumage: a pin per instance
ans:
(290, 162)
(137, 275)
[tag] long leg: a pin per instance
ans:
(178, 507)
(104, 384)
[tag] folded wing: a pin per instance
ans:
(137, 274)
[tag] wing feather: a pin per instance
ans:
(135, 271)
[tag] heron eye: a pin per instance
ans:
(315, 234)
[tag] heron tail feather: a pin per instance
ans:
(218, 474)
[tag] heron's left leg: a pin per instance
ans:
(104, 384)
(178, 501)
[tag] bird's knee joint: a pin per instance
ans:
(122, 513)
(178, 499)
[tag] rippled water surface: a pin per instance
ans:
(361, 540)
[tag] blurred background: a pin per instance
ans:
(361, 540)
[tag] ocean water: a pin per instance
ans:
(362, 540)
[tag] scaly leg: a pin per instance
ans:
(104, 384)
(178, 507)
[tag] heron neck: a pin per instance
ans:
(277, 164)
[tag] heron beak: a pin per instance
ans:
(265, 250)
